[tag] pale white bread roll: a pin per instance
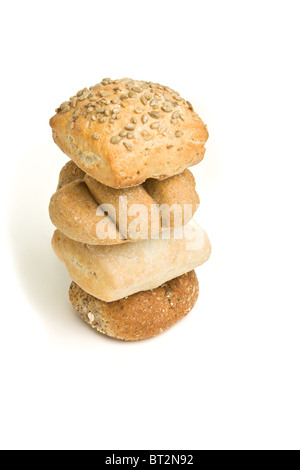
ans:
(111, 273)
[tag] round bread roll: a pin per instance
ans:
(141, 315)
(122, 132)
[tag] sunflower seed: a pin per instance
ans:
(190, 106)
(130, 127)
(134, 120)
(155, 125)
(154, 114)
(138, 110)
(175, 115)
(124, 97)
(144, 100)
(123, 134)
(95, 135)
(131, 94)
(128, 146)
(65, 104)
(130, 135)
(179, 134)
(65, 110)
(174, 121)
(94, 118)
(153, 103)
(102, 119)
(115, 139)
(145, 118)
(182, 117)
(148, 96)
(166, 109)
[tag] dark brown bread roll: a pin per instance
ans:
(141, 315)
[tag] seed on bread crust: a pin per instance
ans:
(115, 139)
(179, 134)
(128, 146)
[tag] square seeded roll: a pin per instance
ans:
(122, 132)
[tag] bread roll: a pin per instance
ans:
(136, 195)
(73, 207)
(141, 315)
(74, 211)
(69, 173)
(180, 191)
(113, 272)
(123, 132)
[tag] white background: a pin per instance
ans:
(226, 377)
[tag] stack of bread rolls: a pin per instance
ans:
(124, 205)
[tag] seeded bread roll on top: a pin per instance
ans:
(122, 132)
(141, 315)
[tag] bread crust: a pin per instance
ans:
(69, 173)
(141, 315)
(165, 134)
(73, 207)
(73, 210)
(114, 272)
